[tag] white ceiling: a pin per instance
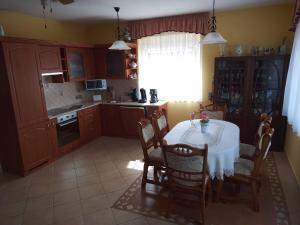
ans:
(97, 10)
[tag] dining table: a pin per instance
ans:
(222, 138)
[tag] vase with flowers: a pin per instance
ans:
(204, 121)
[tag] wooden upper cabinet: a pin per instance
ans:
(35, 145)
(89, 64)
(49, 59)
(100, 61)
(25, 83)
(76, 64)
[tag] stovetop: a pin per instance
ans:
(62, 110)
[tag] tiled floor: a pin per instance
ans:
(80, 188)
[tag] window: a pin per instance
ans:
(291, 105)
(171, 63)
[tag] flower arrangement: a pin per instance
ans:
(204, 119)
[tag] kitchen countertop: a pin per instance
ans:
(85, 105)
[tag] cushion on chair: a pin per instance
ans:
(217, 115)
(190, 183)
(246, 149)
(162, 122)
(156, 155)
(148, 132)
(244, 167)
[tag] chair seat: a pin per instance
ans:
(246, 149)
(156, 155)
(244, 167)
(187, 183)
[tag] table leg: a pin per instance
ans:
(219, 189)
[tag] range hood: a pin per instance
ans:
(52, 74)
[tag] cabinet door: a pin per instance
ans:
(90, 124)
(100, 62)
(130, 117)
(115, 61)
(35, 145)
(25, 81)
(89, 65)
(49, 59)
(76, 64)
(111, 120)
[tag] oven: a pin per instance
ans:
(67, 128)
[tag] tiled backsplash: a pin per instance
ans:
(63, 94)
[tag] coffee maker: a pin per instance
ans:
(153, 94)
(143, 96)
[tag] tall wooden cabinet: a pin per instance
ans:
(249, 86)
(25, 126)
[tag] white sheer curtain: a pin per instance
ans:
(291, 105)
(170, 62)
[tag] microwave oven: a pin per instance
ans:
(92, 85)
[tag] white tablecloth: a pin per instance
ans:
(223, 139)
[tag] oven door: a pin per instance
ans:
(67, 132)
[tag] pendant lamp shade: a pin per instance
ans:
(213, 37)
(119, 44)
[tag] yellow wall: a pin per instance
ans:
(292, 150)
(21, 25)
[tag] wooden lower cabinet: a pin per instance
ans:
(89, 123)
(35, 145)
(111, 121)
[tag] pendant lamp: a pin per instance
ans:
(213, 37)
(119, 44)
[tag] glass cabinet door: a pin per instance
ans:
(76, 65)
(229, 84)
(267, 86)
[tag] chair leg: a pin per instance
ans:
(145, 173)
(255, 196)
(170, 199)
(208, 193)
(219, 189)
(237, 188)
(203, 209)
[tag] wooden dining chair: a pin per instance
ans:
(153, 155)
(214, 111)
(161, 125)
(247, 171)
(186, 170)
(248, 150)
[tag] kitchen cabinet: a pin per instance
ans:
(249, 86)
(89, 123)
(111, 120)
(111, 64)
(49, 59)
(76, 64)
(130, 117)
(35, 145)
(53, 138)
(25, 83)
(89, 63)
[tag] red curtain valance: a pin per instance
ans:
(192, 23)
(296, 16)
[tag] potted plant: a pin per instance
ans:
(204, 120)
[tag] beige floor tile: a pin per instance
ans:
(64, 174)
(138, 221)
(86, 170)
(102, 217)
(90, 191)
(123, 216)
(152, 221)
(112, 197)
(38, 203)
(88, 180)
(38, 217)
(75, 220)
(38, 190)
(13, 209)
(67, 212)
(114, 185)
(9, 197)
(63, 185)
(93, 204)
(66, 197)
(14, 220)
(109, 175)
(105, 166)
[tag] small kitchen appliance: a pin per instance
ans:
(143, 96)
(134, 95)
(153, 96)
(98, 84)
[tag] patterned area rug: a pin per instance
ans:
(153, 203)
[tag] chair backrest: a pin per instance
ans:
(186, 165)
(161, 125)
(214, 111)
(147, 136)
(263, 148)
(264, 119)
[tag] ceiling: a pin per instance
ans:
(98, 10)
